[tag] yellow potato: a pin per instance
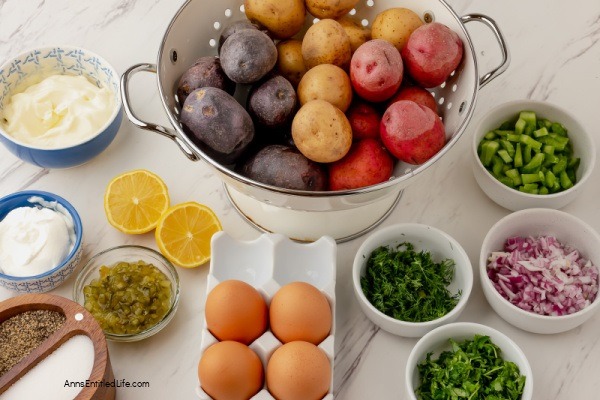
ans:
(330, 8)
(321, 132)
(357, 33)
(326, 42)
(395, 25)
(289, 60)
(326, 82)
(282, 18)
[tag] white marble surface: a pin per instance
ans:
(555, 50)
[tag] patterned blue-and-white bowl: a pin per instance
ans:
(53, 278)
(64, 60)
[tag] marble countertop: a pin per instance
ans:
(555, 53)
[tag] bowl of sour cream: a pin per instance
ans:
(59, 106)
(40, 241)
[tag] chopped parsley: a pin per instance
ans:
(472, 370)
(407, 285)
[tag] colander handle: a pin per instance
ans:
(484, 19)
(170, 133)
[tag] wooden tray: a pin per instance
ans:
(78, 322)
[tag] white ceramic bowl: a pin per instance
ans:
(512, 199)
(539, 222)
(436, 341)
(423, 237)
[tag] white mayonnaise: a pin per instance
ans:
(34, 240)
(60, 111)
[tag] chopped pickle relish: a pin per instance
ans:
(128, 298)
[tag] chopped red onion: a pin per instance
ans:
(543, 276)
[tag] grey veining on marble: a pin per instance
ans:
(555, 49)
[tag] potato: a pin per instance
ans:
(364, 119)
(326, 42)
(272, 102)
(285, 167)
(412, 132)
(367, 163)
(233, 28)
(395, 25)
(282, 18)
(376, 70)
(326, 82)
(248, 55)
(290, 63)
(330, 8)
(417, 94)
(206, 71)
(217, 123)
(432, 53)
(321, 131)
(357, 33)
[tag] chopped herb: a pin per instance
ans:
(472, 370)
(407, 285)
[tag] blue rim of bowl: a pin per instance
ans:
(131, 337)
(464, 297)
(76, 222)
(484, 277)
(576, 186)
(117, 106)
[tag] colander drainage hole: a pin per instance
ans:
(217, 25)
(449, 106)
(462, 107)
(173, 56)
(454, 87)
(370, 3)
(352, 12)
(441, 101)
(212, 42)
(228, 13)
(428, 17)
(242, 8)
(364, 22)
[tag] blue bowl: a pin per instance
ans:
(53, 278)
(64, 60)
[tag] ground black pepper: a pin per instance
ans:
(21, 334)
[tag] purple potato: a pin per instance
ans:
(272, 103)
(206, 72)
(248, 55)
(233, 28)
(285, 167)
(217, 123)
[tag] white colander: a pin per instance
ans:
(194, 32)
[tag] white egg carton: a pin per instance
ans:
(268, 263)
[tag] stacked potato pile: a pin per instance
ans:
(331, 109)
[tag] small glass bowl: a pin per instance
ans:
(129, 253)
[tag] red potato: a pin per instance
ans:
(376, 70)
(432, 52)
(412, 132)
(364, 120)
(417, 94)
(367, 163)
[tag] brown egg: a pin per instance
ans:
(298, 371)
(236, 311)
(230, 371)
(299, 311)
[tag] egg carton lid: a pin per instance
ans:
(267, 264)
